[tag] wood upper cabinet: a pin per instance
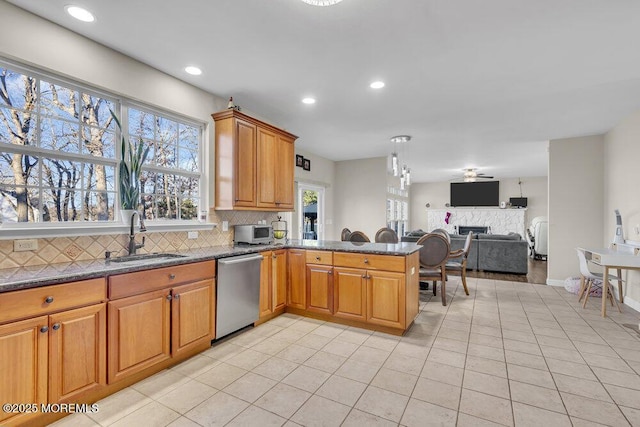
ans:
(23, 364)
(297, 279)
(319, 280)
(350, 293)
(253, 165)
(77, 352)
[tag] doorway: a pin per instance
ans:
(310, 212)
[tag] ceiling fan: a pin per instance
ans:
(472, 175)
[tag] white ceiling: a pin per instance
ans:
(476, 83)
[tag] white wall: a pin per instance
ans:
(322, 174)
(576, 176)
(437, 194)
(622, 154)
(360, 195)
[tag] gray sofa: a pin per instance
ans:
(504, 253)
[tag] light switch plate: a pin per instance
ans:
(225, 225)
(192, 235)
(25, 245)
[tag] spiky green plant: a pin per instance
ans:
(132, 157)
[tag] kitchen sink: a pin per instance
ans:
(145, 257)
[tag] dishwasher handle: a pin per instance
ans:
(237, 260)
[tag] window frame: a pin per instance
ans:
(12, 230)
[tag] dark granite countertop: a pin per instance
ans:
(42, 275)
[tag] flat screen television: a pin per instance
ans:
(482, 193)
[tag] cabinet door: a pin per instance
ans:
(385, 298)
(77, 352)
(23, 364)
(350, 293)
(319, 288)
(268, 166)
(284, 173)
(266, 291)
(297, 277)
(138, 334)
(279, 278)
(192, 315)
(245, 164)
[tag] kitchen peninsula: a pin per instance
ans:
(120, 322)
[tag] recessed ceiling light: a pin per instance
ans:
(80, 13)
(309, 100)
(195, 71)
(377, 85)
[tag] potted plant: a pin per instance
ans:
(132, 157)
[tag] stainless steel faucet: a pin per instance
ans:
(133, 246)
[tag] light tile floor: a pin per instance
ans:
(508, 354)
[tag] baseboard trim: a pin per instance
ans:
(632, 303)
(555, 282)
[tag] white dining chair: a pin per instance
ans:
(588, 278)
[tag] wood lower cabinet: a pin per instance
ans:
(77, 352)
(350, 293)
(385, 299)
(254, 164)
(192, 315)
(58, 355)
(139, 333)
(296, 296)
(23, 365)
(273, 283)
(319, 281)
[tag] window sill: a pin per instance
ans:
(10, 231)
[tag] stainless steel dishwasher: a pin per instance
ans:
(238, 290)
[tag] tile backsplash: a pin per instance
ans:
(67, 249)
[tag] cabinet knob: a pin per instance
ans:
(176, 296)
(330, 272)
(172, 276)
(366, 261)
(273, 256)
(364, 276)
(169, 297)
(317, 258)
(48, 300)
(56, 326)
(44, 329)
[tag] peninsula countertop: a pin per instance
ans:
(51, 274)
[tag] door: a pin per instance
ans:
(385, 302)
(23, 363)
(77, 352)
(350, 293)
(310, 212)
(139, 333)
(319, 288)
(192, 315)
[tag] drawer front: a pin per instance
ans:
(124, 285)
(369, 261)
(320, 257)
(49, 299)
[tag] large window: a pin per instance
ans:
(59, 156)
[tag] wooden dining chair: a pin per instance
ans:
(358, 236)
(461, 264)
(433, 258)
(386, 235)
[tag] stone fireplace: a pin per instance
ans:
(495, 220)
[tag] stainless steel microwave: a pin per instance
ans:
(253, 234)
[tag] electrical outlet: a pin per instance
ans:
(225, 225)
(25, 245)
(192, 235)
